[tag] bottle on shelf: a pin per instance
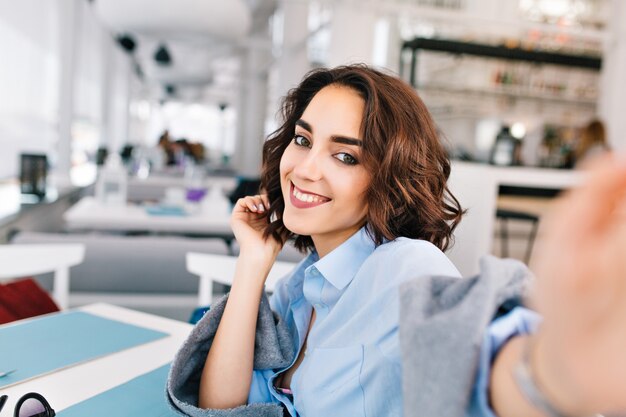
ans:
(506, 149)
(112, 183)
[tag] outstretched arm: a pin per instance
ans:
(578, 355)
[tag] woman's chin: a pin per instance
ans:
(296, 227)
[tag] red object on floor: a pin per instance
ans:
(22, 299)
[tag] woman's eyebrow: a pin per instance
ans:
(305, 125)
(335, 138)
(346, 140)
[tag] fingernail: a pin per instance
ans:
(255, 207)
(261, 207)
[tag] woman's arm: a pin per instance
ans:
(506, 397)
(227, 373)
(577, 356)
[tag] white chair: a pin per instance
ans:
(221, 269)
(17, 261)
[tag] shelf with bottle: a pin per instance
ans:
(452, 66)
(523, 80)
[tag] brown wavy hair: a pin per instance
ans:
(407, 195)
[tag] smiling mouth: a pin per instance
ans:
(301, 199)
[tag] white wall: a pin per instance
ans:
(28, 77)
(612, 83)
(90, 67)
(30, 81)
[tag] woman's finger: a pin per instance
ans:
(254, 204)
(266, 201)
(591, 209)
(257, 200)
(247, 204)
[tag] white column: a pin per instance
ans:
(352, 35)
(68, 25)
(117, 130)
(612, 100)
(252, 107)
(105, 90)
(394, 44)
(294, 60)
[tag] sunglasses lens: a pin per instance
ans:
(32, 407)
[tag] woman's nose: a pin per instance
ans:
(309, 167)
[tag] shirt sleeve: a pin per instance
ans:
(517, 322)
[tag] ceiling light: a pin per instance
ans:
(162, 56)
(127, 42)
(518, 130)
(170, 89)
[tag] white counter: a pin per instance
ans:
(532, 177)
(476, 187)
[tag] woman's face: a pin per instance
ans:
(322, 179)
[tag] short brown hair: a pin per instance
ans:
(407, 195)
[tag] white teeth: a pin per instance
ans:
(307, 198)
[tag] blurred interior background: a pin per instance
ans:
(178, 96)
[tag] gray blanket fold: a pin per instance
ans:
(273, 349)
(442, 324)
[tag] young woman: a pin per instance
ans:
(357, 176)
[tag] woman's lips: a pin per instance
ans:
(305, 204)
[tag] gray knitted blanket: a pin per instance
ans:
(442, 324)
(273, 349)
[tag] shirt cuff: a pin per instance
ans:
(517, 322)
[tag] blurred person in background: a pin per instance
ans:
(592, 142)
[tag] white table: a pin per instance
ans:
(154, 187)
(89, 214)
(72, 385)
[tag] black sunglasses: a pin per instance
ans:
(30, 405)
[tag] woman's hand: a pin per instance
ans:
(580, 354)
(248, 221)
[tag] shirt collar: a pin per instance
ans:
(341, 265)
(297, 276)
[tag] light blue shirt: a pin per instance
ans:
(519, 321)
(352, 364)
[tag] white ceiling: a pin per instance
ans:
(228, 20)
(203, 38)
(206, 37)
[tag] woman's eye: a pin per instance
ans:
(301, 141)
(346, 158)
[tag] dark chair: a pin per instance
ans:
(503, 215)
(245, 187)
